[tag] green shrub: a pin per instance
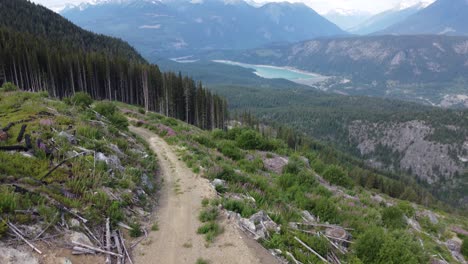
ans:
(3, 228)
(249, 139)
(368, 244)
(464, 247)
(8, 200)
(210, 230)
(80, 99)
(230, 150)
(239, 207)
(9, 87)
(326, 210)
(400, 247)
(105, 108)
(336, 175)
(119, 121)
(393, 217)
(407, 208)
(202, 261)
(136, 230)
(208, 214)
(155, 227)
(115, 213)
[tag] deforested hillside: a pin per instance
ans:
(41, 51)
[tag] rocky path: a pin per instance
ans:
(177, 217)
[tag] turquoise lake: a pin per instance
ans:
(273, 72)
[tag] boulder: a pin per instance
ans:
(78, 237)
(10, 255)
(71, 139)
(146, 182)
(112, 161)
(46, 122)
(218, 182)
(310, 218)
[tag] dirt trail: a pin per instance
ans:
(177, 217)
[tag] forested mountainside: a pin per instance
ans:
(40, 51)
(370, 129)
(26, 17)
(448, 17)
(426, 68)
(179, 28)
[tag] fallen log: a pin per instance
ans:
(5, 129)
(27, 140)
(293, 258)
(117, 245)
(125, 247)
(311, 250)
(84, 250)
(97, 249)
(13, 148)
(24, 239)
(21, 133)
(108, 241)
(60, 164)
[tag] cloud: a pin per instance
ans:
(321, 6)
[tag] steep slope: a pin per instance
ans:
(442, 17)
(64, 169)
(36, 20)
(418, 68)
(385, 19)
(41, 51)
(172, 28)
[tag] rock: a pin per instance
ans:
(262, 225)
(71, 139)
(112, 161)
(413, 223)
(117, 150)
(218, 182)
(432, 217)
(145, 181)
(46, 122)
(79, 238)
(9, 255)
(246, 223)
(453, 245)
(3, 135)
(308, 216)
(74, 223)
(276, 163)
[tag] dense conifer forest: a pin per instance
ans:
(41, 51)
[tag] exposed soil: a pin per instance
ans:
(177, 218)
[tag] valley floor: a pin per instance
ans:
(177, 218)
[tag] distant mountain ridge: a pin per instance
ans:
(449, 17)
(386, 19)
(170, 28)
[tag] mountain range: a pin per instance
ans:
(448, 17)
(387, 18)
(168, 28)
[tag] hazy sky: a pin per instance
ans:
(321, 6)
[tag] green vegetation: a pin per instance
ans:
(210, 228)
(104, 181)
(63, 59)
(136, 230)
(9, 87)
(464, 247)
(284, 193)
(202, 261)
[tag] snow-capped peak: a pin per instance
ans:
(420, 4)
(346, 12)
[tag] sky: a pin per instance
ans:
(321, 6)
